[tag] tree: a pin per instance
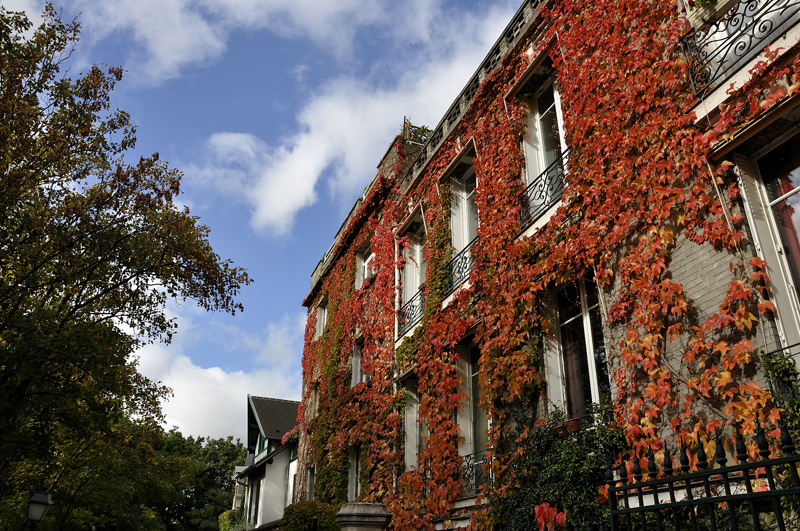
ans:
(91, 249)
(210, 489)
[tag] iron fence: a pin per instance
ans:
(459, 267)
(543, 192)
(472, 472)
(717, 53)
(410, 314)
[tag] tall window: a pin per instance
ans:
(780, 171)
(357, 372)
(463, 212)
(322, 316)
(415, 268)
(364, 266)
(583, 351)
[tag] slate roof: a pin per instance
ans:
(275, 416)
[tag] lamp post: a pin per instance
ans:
(38, 505)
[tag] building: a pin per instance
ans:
(265, 485)
(606, 210)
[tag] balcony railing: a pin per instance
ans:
(717, 53)
(543, 192)
(472, 473)
(410, 313)
(459, 267)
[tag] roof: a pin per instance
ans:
(272, 417)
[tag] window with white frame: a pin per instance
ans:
(415, 268)
(364, 266)
(463, 211)
(322, 316)
(768, 167)
(354, 473)
(544, 144)
(472, 420)
(581, 346)
(357, 375)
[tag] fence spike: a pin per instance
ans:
(637, 469)
(668, 462)
(761, 441)
(741, 449)
(722, 458)
(652, 471)
(623, 472)
(786, 439)
(684, 458)
(702, 459)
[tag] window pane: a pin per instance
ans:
(480, 420)
(600, 359)
(780, 170)
(576, 368)
(569, 303)
(548, 125)
(787, 217)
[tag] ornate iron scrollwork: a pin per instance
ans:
(459, 267)
(543, 192)
(717, 53)
(410, 313)
(472, 473)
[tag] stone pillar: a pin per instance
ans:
(360, 516)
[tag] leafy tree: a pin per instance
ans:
(91, 249)
(210, 489)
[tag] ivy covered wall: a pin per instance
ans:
(648, 212)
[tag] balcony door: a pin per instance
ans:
(544, 145)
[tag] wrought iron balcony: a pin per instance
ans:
(543, 192)
(410, 313)
(473, 474)
(459, 267)
(719, 52)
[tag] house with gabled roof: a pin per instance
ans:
(271, 462)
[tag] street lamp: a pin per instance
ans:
(38, 505)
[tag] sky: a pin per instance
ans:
(277, 112)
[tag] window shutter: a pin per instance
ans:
(767, 244)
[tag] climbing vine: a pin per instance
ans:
(642, 193)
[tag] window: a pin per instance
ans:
(322, 316)
(473, 421)
(415, 268)
(413, 435)
(358, 375)
(582, 348)
(310, 478)
(354, 473)
(769, 177)
(364, 266)
(463, 212)
(543, 145)
(412, 276)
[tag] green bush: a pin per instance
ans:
(297, 517)
(563, 471)
(230, 520)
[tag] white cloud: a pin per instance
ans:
(344, 129)
(212, 401)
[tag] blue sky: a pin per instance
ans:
(277, 112)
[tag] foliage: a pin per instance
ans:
(563, 472)
(298, 516)
(211, 484)
(91, 248)
(231, 520)
(640, 187)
